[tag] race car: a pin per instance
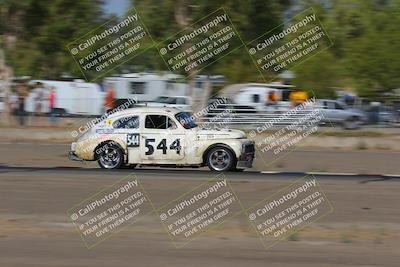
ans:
(163, 137)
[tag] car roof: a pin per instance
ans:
(141, 110)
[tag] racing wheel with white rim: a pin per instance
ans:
(111, 157)
(220, 159)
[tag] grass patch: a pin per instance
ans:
(362, 145)
(346, 238)
(353, 134)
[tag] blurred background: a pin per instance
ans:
(360, 69)
(355, 81)
(46, 102)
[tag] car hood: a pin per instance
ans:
(207, 134)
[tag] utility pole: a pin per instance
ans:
(183, 20)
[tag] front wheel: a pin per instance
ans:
(220, 159)
(111, 157)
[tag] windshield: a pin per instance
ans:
(185, 120)
(161, 99)
(166, 100)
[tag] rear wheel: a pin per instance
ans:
(220, 159)
(111, 157)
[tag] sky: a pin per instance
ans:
(117, 7)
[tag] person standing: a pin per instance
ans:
(109, 100)
(22, 93)
(39, 92)
(272, 98)
(52, 106)
(12, 101)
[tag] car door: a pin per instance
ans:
(127, 129)
(329, 111)
(162, 140)
(339, 112)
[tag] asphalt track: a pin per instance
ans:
(362, 230)
(201, 173)
(39, 154)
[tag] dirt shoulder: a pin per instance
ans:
(48, 154)
(362, 230)
(369, 139)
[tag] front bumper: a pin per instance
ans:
(73, 156)
(247, 156)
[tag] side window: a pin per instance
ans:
(331, 105)
(199, 84)
(137, 87)
(159, 122)
(155, 122)
(256, 98)
(171, 124)
(338, 106)
(181, 101)
(131, 122)
(172, 100)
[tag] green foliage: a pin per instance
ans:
(318, 73)
(364, 55)
(366, 44)
(46, 27)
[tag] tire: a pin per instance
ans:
(220, 159)
(352, 123)
(111, 157)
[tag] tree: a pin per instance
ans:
(42, 30)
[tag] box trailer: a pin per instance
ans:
(72, 97)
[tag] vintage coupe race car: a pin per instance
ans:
(164, 137)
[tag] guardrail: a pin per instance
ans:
(253, 116)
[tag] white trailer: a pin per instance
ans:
(256, 94)
(72, 97)
(145, 87)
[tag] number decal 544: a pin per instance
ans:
(175, 145)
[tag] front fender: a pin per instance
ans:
(86, 149)
(235, 145)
